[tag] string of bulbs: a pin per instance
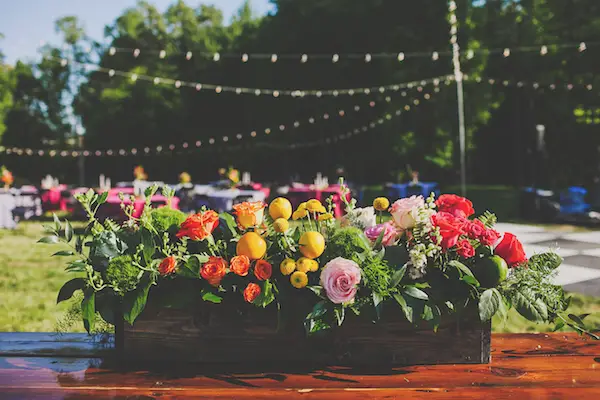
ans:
(535, 85)
(218, 89)
(365, 57)
(193, 146)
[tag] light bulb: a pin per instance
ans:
(112, 51)
(198, 87)
(136, 52)
(367, 57)
(188, 55)
(162, 54)
(177, 84)
(506, 52)
(304, 58)
(335, 58)
(274, 58)
(400, 56)
(216, 57)
(244, 57)
(156, 81)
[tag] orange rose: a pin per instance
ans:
(249, 213)
(167, 266)
(263, 270)
(239, 265)
(199, 226)
(214, 270)
(251, 292)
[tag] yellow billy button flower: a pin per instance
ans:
(303, 264)
(381, 204)
(287, 266)
(299, 279)
(281, 225)
(325, 217)
(299, 214)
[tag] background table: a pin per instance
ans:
(37, 365)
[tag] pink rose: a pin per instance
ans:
(405, 211)
(465, 249)
(475, 229)
(390, 235)
(339, 279)
(489, 238)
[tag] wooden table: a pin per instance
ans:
(536, 366)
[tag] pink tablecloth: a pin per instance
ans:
(302, 193)
(52, 199)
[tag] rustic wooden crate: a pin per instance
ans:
(221, 333)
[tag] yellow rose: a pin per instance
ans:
(381, 204)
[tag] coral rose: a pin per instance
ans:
(511, 250)
(390, 235)
(262, 270)
(339, 278)
(405, 211)
(455, 205)
(240, 265)
(199, 226)
(214, 270)
(251, 292)
(249, 213)
(167, 266)
(465, 249)
(450, 228)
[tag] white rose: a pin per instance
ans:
(406, 211)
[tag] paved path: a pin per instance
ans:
(580, 271)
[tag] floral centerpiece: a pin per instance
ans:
(423, 259)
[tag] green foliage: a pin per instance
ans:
(488, 219)
(347, 243)
(122, 275)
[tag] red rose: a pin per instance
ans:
(214, 270)
(167, 266)
(251, 292)
(239, 265)
(199, 226)
(262, 270)
(450, 228)
(465, 249)
(455, 205)
(489, 238)
(475, 229)
(511, 250)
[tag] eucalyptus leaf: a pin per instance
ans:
(397, 276)
(63, 253)
(57, 224)
(416, 293)
(68, 232)
(406, 309)
(49, 239)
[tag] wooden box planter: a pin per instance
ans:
(220, 333)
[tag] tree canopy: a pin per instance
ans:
(42, 103)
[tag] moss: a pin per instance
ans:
(346, 243)
(121, 274)
(166, 219)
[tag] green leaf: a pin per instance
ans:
(548, 260)
(427, 313)
(318, 310)
(529, 307)
(470, 280)
(416, 293)
(102, 198)
(67, 290)
(266, 296)
(63, 253)
(377, 302)
(461, 267)
(135, 302)
(228, 221)
(406, 309)
(577, 320)
(339, 315)
(211, 297)
(489, 302)
(559, 325)
(68, 232)
(397, 276)
(148, 245)
(379, 239)
(49, 240)
(88, 309)
(449, 305)
(56, 222)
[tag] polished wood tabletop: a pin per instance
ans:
(74, 366)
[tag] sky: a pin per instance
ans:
(26, 23)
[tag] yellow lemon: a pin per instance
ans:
(287, 266)
(312, 244)
(381, 204)
(299, 279)
(280, 208)
(281, 225)
(251, 245)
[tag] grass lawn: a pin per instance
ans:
(30, 279)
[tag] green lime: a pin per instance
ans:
(490, 271)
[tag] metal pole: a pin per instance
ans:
(81, 163)
(458, 77)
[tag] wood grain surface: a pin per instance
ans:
(524, 366)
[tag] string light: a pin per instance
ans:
(296, 93)
(340, 113)
(534, 85)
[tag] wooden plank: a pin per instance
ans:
(48, 372)
(325, 394)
